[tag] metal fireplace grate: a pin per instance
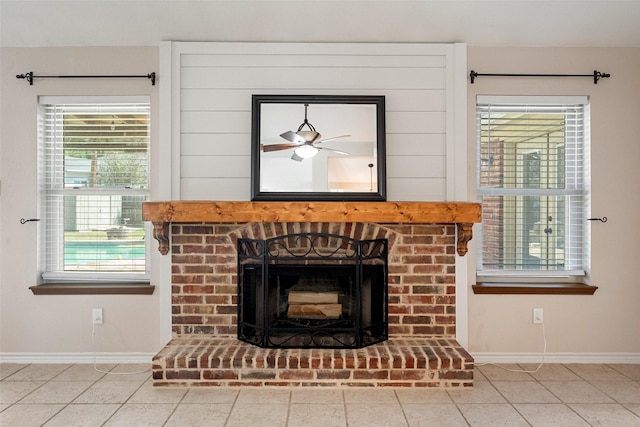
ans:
(312, 290)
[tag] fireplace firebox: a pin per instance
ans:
(312, 290)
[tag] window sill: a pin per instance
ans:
(93, 289)
(534, 288)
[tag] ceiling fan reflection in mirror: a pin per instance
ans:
(304, 142)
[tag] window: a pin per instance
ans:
(533, 182)
(94, 176)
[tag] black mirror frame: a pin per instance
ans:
(256, 105)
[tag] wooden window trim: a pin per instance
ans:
(494, 288)
(93, 289)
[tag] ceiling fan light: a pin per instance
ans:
(306, 151)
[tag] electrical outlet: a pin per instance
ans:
(97, 316)
(537, 315)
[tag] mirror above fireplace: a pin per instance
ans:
(318, 147)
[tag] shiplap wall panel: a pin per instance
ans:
(215, 188)
(216, 166)
(426, 122)
(416, 166)
(416, 189)
(240, 99)
(416, 144)
(216, 144)
(323, 78)
(215, 121)
(316, 49)
(216, 80)
(315, 61)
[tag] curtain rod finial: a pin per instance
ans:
(597, 75)
(28, 76)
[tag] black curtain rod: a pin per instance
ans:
(29, 77)
(597, 75)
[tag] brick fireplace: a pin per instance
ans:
(421, 350)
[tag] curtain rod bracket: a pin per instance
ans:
(29, 77)
(597, 75)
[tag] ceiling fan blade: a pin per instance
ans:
(331, 149)
(295, 157)
(332, 138)
(277, 147)
(291, 136)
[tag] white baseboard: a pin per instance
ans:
(109, 358)
(623, 358)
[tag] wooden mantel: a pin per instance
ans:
(161, 214)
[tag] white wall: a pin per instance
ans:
(46, 326)
(603, 326)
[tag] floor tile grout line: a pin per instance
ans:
(511, 404)
(233, 405)
(175, 407)
(42, 385)
(404, 415)
(458, 407)
(123, 403)
(286, 420)
(562, 402)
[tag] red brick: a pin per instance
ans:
(371, 375)
(197, 229)
(429, 269)
(429, 309)
(197, 269)
(217, 299)
(187, 320)
(407, 374)
(220, 374)
(183, 374)
(187, 259)
(226, 309)
(323, 374)
(186, 278)
(429, 330)
(197, 289)
(416, 259)
(399, 309)
(409, 279)
(197, 309)
(435, 230)
(418, 299)
(456, 375)
(180, 239)
(445, 320)
(296, 375)
(186, 299)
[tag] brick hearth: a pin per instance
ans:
(421, 352)
(399, 362)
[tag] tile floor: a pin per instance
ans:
(557, 395)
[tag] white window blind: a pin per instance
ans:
(533, 181)
(94, 176)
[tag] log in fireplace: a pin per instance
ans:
(312, 290)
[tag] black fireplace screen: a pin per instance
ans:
(312, 290)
